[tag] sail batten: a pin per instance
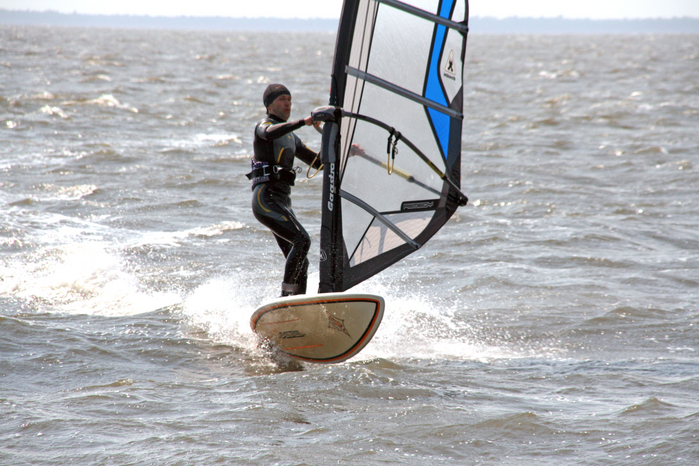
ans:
(461, 27)
(438, 106)
(379, 216)
(397, 87)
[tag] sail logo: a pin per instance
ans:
(331, 193)
(291, 334)
(417, 206)
(450, 68)
(335, 323)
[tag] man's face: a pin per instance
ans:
(281, 107)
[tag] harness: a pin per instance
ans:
(262, 172)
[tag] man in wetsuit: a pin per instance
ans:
(273, 175)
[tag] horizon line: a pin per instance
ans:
(559, 17)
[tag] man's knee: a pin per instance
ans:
(303, 242)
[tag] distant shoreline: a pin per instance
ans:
(478, 25)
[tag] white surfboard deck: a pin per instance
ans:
(321, 328)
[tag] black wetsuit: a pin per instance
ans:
(275, 147)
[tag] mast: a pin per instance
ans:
(332, 253)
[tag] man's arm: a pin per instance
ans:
(268, 131)
(307, 155)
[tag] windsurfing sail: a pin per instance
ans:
(392, 138)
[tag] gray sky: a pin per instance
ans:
(591, 9)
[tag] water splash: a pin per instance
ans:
(222, 308)
(414, 325)
(79, 278)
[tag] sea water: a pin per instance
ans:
(554, 320)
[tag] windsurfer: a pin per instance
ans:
(275, 147)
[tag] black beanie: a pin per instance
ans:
(272, 92)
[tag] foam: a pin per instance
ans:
(81, 278)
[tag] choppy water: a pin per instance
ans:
(553, 321)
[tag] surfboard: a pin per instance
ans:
(397, 94)
(322, 328)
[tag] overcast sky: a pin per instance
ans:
(592, 9)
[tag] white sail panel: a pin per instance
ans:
(405, 116)
(394, 53)
(380, 239)
(361, 219)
